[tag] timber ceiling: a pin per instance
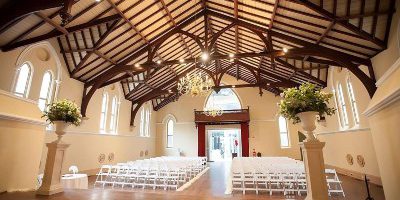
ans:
(103, 42)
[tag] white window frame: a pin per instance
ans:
(353, 102)
(283, 133)
(103, 114)
(170, 134)
(147, 122)
(47, 100)
(344, 119)
(25, 94)
(142, 122)
(114, 115)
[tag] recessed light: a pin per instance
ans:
(204, 56)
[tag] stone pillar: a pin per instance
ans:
(315, 170)
(52, 173)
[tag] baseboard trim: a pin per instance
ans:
(356, 175)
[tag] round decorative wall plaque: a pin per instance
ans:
(110, 157)
(349, 159)
(101, 158)
(360, 160)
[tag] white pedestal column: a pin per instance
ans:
(52, 174)
(315, 170)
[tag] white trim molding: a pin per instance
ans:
(100, 134)
(388, 100)
(28, 120)
(343, 131)
(388, 73)
(9, 94)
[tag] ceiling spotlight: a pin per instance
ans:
(231, 55)
(97, 0)
(137, 65)
(204, 56)
(158, 61)
(233, 86)
(170, 91)
(285, 50)
(268, 84)
(231, 60)
(181, 60)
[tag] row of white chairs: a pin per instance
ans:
(160, 172)
(276, 174)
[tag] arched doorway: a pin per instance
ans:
(223, 142)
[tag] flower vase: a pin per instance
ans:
(307, 121)
(59, 127)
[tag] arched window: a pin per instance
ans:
(170, 133)
(45, 91)
(23, 79)
(103, 115)
(114, 114)
(342, 104)
(145, 122)
(283, 132)
(225, 99)
(353, 103)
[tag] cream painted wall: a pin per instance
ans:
(86, 139)
(21, 141)
(264, 133)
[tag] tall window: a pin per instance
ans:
(283, 132)
(170, 133)
(225, 99)
(342, 104)
(353, 103)
(114, 114)
(44, 96)
(103, 116)
(145, 122)
(23, 80)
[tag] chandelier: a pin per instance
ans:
(213, 111)
(195, 85)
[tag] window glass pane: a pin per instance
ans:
(141, 132)
(170, 141)
(45, 91)
(282, 124)
(170, 127)
(23, 79)
(226, 99)
(353, 101)
(103, 115)
(345, 120)
(42, 104)
(284, 140)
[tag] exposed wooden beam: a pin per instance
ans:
(343, 23)
(51, 22)
(270, 25)
(54, 34)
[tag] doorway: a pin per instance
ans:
(222, 143)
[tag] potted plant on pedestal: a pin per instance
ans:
(61, 114)
(303, 104)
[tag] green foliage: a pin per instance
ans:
(307, 97)
(64, 110)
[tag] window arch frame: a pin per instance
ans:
(28, 82)
(170, 134)
(103, 112)
(284, 133)
(48, 98)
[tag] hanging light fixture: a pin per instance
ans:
(197, 84)
(214, 111)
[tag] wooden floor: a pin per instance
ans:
(209, 186)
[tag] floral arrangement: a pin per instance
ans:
(307, 97)
(64, 110)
